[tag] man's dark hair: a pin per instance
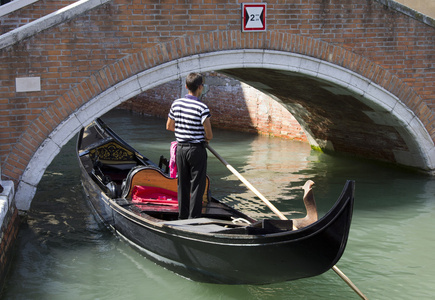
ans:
(194, 81)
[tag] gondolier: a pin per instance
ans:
(189, 118)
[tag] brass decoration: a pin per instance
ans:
(112, 151)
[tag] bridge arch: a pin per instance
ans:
(136, 73)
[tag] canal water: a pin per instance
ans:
(65, 253)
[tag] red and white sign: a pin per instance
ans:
(254, 17)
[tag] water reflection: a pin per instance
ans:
(272, 167)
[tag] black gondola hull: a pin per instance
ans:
(219, 257)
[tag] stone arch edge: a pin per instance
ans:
(241, 58)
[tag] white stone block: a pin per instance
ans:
(40, 161)
(65, 130)
(358, 84)
(98, 106)
(158, 75)
(3, 209)
(431, 159)
(275, 60)
(128, 88)
(421, 134)
(309, 66)
(403, 114)
(252, 58)
(380, 96)
(6, 198)
(223, 59)
(24, 195)
(293, 61)
(165, 72)
(334, 74)
(8, 192)
(28, 84)
(188, 64)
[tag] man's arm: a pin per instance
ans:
(170, 124)
(207, 129)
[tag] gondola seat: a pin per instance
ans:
(149, 176)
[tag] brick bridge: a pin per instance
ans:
(358, 75)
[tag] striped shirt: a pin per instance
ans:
(189, 113)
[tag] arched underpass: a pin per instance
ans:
(339, 119)
(339, 110)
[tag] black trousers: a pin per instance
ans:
(191, 162)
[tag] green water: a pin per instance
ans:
(64, 253)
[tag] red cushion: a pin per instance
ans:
(151, 194)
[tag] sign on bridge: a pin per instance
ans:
(253, 17)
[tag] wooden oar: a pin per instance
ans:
(349, 282)
(279, 214)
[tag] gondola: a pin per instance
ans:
(136, 198)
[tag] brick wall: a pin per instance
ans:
(234, 106)
(9, 232)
